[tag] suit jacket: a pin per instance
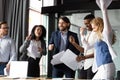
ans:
(55, 39)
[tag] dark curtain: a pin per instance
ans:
(1, 11)
(16, 13)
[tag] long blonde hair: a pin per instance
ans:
(100, 24)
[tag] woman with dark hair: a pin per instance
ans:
(36, 47)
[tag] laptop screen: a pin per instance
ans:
(18, 69)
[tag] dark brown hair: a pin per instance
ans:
(65, 19)
(3, 22)
(43, 32)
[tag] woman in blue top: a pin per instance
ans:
(103, 50)
(103, 46)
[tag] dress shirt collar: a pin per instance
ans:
(64, 33)
(6, 36)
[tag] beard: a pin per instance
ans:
(62, 28)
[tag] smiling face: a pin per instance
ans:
(87, 24)
(63, 26)
(4, 29)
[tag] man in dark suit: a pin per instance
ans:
(60, 41)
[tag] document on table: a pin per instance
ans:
(69, 59)
(56, 58)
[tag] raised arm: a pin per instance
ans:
(25, 45)
(107, 25)
(107, 31)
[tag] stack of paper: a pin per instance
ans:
(68, 58)
(56, 58)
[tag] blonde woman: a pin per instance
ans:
(103, 50)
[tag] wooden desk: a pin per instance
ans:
(5, 78)
(40, 78)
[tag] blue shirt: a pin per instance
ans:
(102, 53)
(63, 41)
(7, 49)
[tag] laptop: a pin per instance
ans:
(18, 69)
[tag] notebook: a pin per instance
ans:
(18, 69)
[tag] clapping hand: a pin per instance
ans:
(40, 49)
(72, 39)
(28, 37)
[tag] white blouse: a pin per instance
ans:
(33, 49)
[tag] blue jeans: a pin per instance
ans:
(2, 66)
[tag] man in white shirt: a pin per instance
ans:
(86, 72)
(7, 48)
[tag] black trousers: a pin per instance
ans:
(85, 74)
(60, 70)
(33, 67)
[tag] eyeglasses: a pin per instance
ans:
(4, 28)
